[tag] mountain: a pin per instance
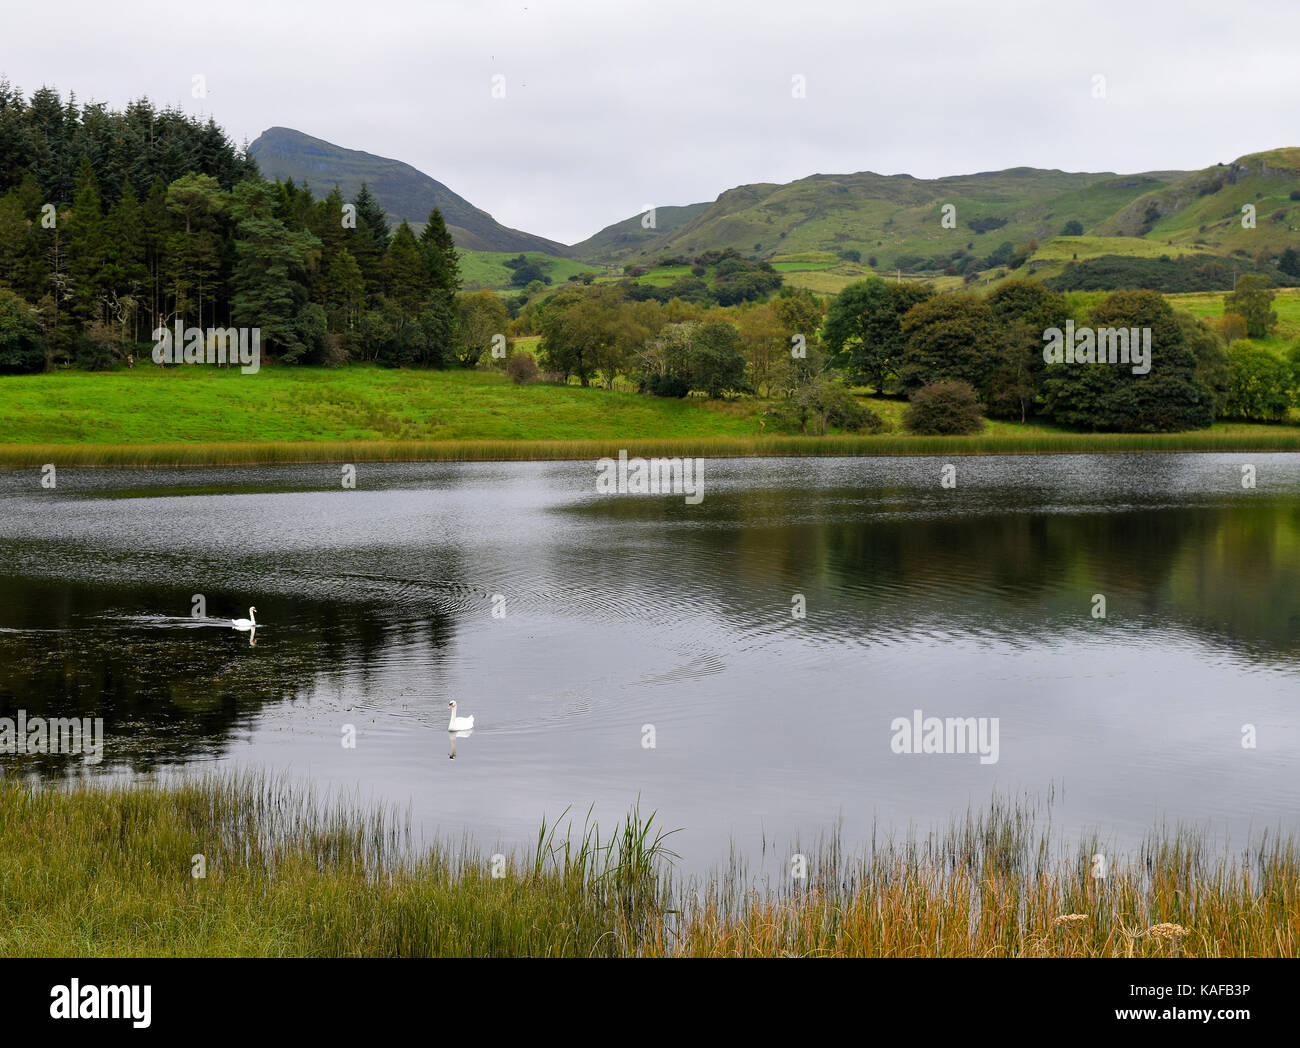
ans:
(401, 190)
(890, 216)
(830, 229)
(895, 220)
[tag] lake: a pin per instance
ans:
(612, 647)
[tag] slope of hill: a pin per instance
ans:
(891, 217)
(613, 242)
(404, 192)
(1206, 207)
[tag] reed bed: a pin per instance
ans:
(107, 870)
(19, 456)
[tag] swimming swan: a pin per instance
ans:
(459, 723)
(249, 623)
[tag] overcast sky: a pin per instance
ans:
(614, 105)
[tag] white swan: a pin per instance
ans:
(459, 723)
(249, 623)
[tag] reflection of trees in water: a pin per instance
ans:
(1228, 575)
(173, 693)
(888, 558)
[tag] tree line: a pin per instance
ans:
(901, 338)
(113, 224)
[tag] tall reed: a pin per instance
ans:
(89, 869)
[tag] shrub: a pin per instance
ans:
(522, 368)
(944, 408)
(336, 350)
(668, 386)
(1232, 326)
(822, 404)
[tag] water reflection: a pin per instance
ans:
(622, 613)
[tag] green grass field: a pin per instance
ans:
(288, 404)
(487, 269)
(1286, 305)
(193, 416)
(1063, 249)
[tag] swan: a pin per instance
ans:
(459, 723)
(249, 623)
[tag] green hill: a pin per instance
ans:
(824, 231)
(614, 242)
(1205, 208)
(864, 222)
(893, 217)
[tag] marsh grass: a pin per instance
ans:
(1245, 439)
(105, 870)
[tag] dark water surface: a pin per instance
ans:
(624, 612)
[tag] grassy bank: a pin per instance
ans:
(91, 871)
(177, 416)
(1225, 439)
(201, 405)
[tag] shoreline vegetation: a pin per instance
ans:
(216, 417)
(1259, 439)
(93, 869)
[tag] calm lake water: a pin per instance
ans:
(621, 612)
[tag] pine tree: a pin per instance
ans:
(407, 279)
(269, 276)
(344, 288)
(440, 256)
(87, 248)
(196, 205)
(126, 275)
(155, 250)
(369, 241)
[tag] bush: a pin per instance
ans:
(841, 409)
(945, 409)
(522, 368)
(337, 351)
(96, 348)
(667, 386)
(823, 404)
(526, 274)
(1232, 326)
